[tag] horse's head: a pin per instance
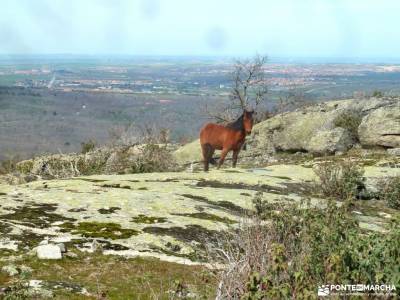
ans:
(248, 120)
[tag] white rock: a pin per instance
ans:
(45, 241)
(71, 255)
(48, 251)
(57, 223)
(8, 244)
(61, 239)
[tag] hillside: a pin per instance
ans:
(168, 219)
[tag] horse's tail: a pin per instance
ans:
(207, 150)
(207, 153)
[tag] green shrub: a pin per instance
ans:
(339, 180)
(349, 120)
(288, 251)
(377, 94)
(390, 192)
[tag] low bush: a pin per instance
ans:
(147, 158)
(349, 120)
(88, 146)
(154, 158)
(377, 94)
(390, 191)
(286, 252)
(339, 180)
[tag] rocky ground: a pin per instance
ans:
(168, 216)
(57, 223)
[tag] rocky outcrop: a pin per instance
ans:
(323, 128)
(381, 127)
(331, 127)
(112, 160)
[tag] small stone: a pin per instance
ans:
(71, 255)
(45, 241)
(385, 215)
(10, 270)
(57, 223)
(49, 251)
(95, 246)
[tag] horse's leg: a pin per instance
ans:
(206, 149)
(222, 158)
(235, 158)
(211, 159)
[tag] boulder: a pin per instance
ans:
(189, 153)
(381, 127)
(312, 129)
(337, 140)
(49, 251)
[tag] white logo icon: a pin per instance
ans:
(323, 290)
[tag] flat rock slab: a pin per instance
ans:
(165, 215)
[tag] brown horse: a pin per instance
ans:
(226, 138)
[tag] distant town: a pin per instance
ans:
(200, 78)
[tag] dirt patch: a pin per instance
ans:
(110, 210)
(207, 216)
(36, 215)
(143, 219)
(242, 186)
(221, 205)
(185, 234)
(115, 186)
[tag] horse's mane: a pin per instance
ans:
(236, 125)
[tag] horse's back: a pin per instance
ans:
(212, 133)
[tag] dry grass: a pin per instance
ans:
(339, 180)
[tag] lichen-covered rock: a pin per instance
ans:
(164, 215)
(189, 153)
(381, 127)
(113, 160)
(330, 141)
(394, 151)
(316, 129)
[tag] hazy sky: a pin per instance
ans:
(310, 28)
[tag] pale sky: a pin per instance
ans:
(303, 28)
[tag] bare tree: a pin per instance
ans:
(249, 89)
